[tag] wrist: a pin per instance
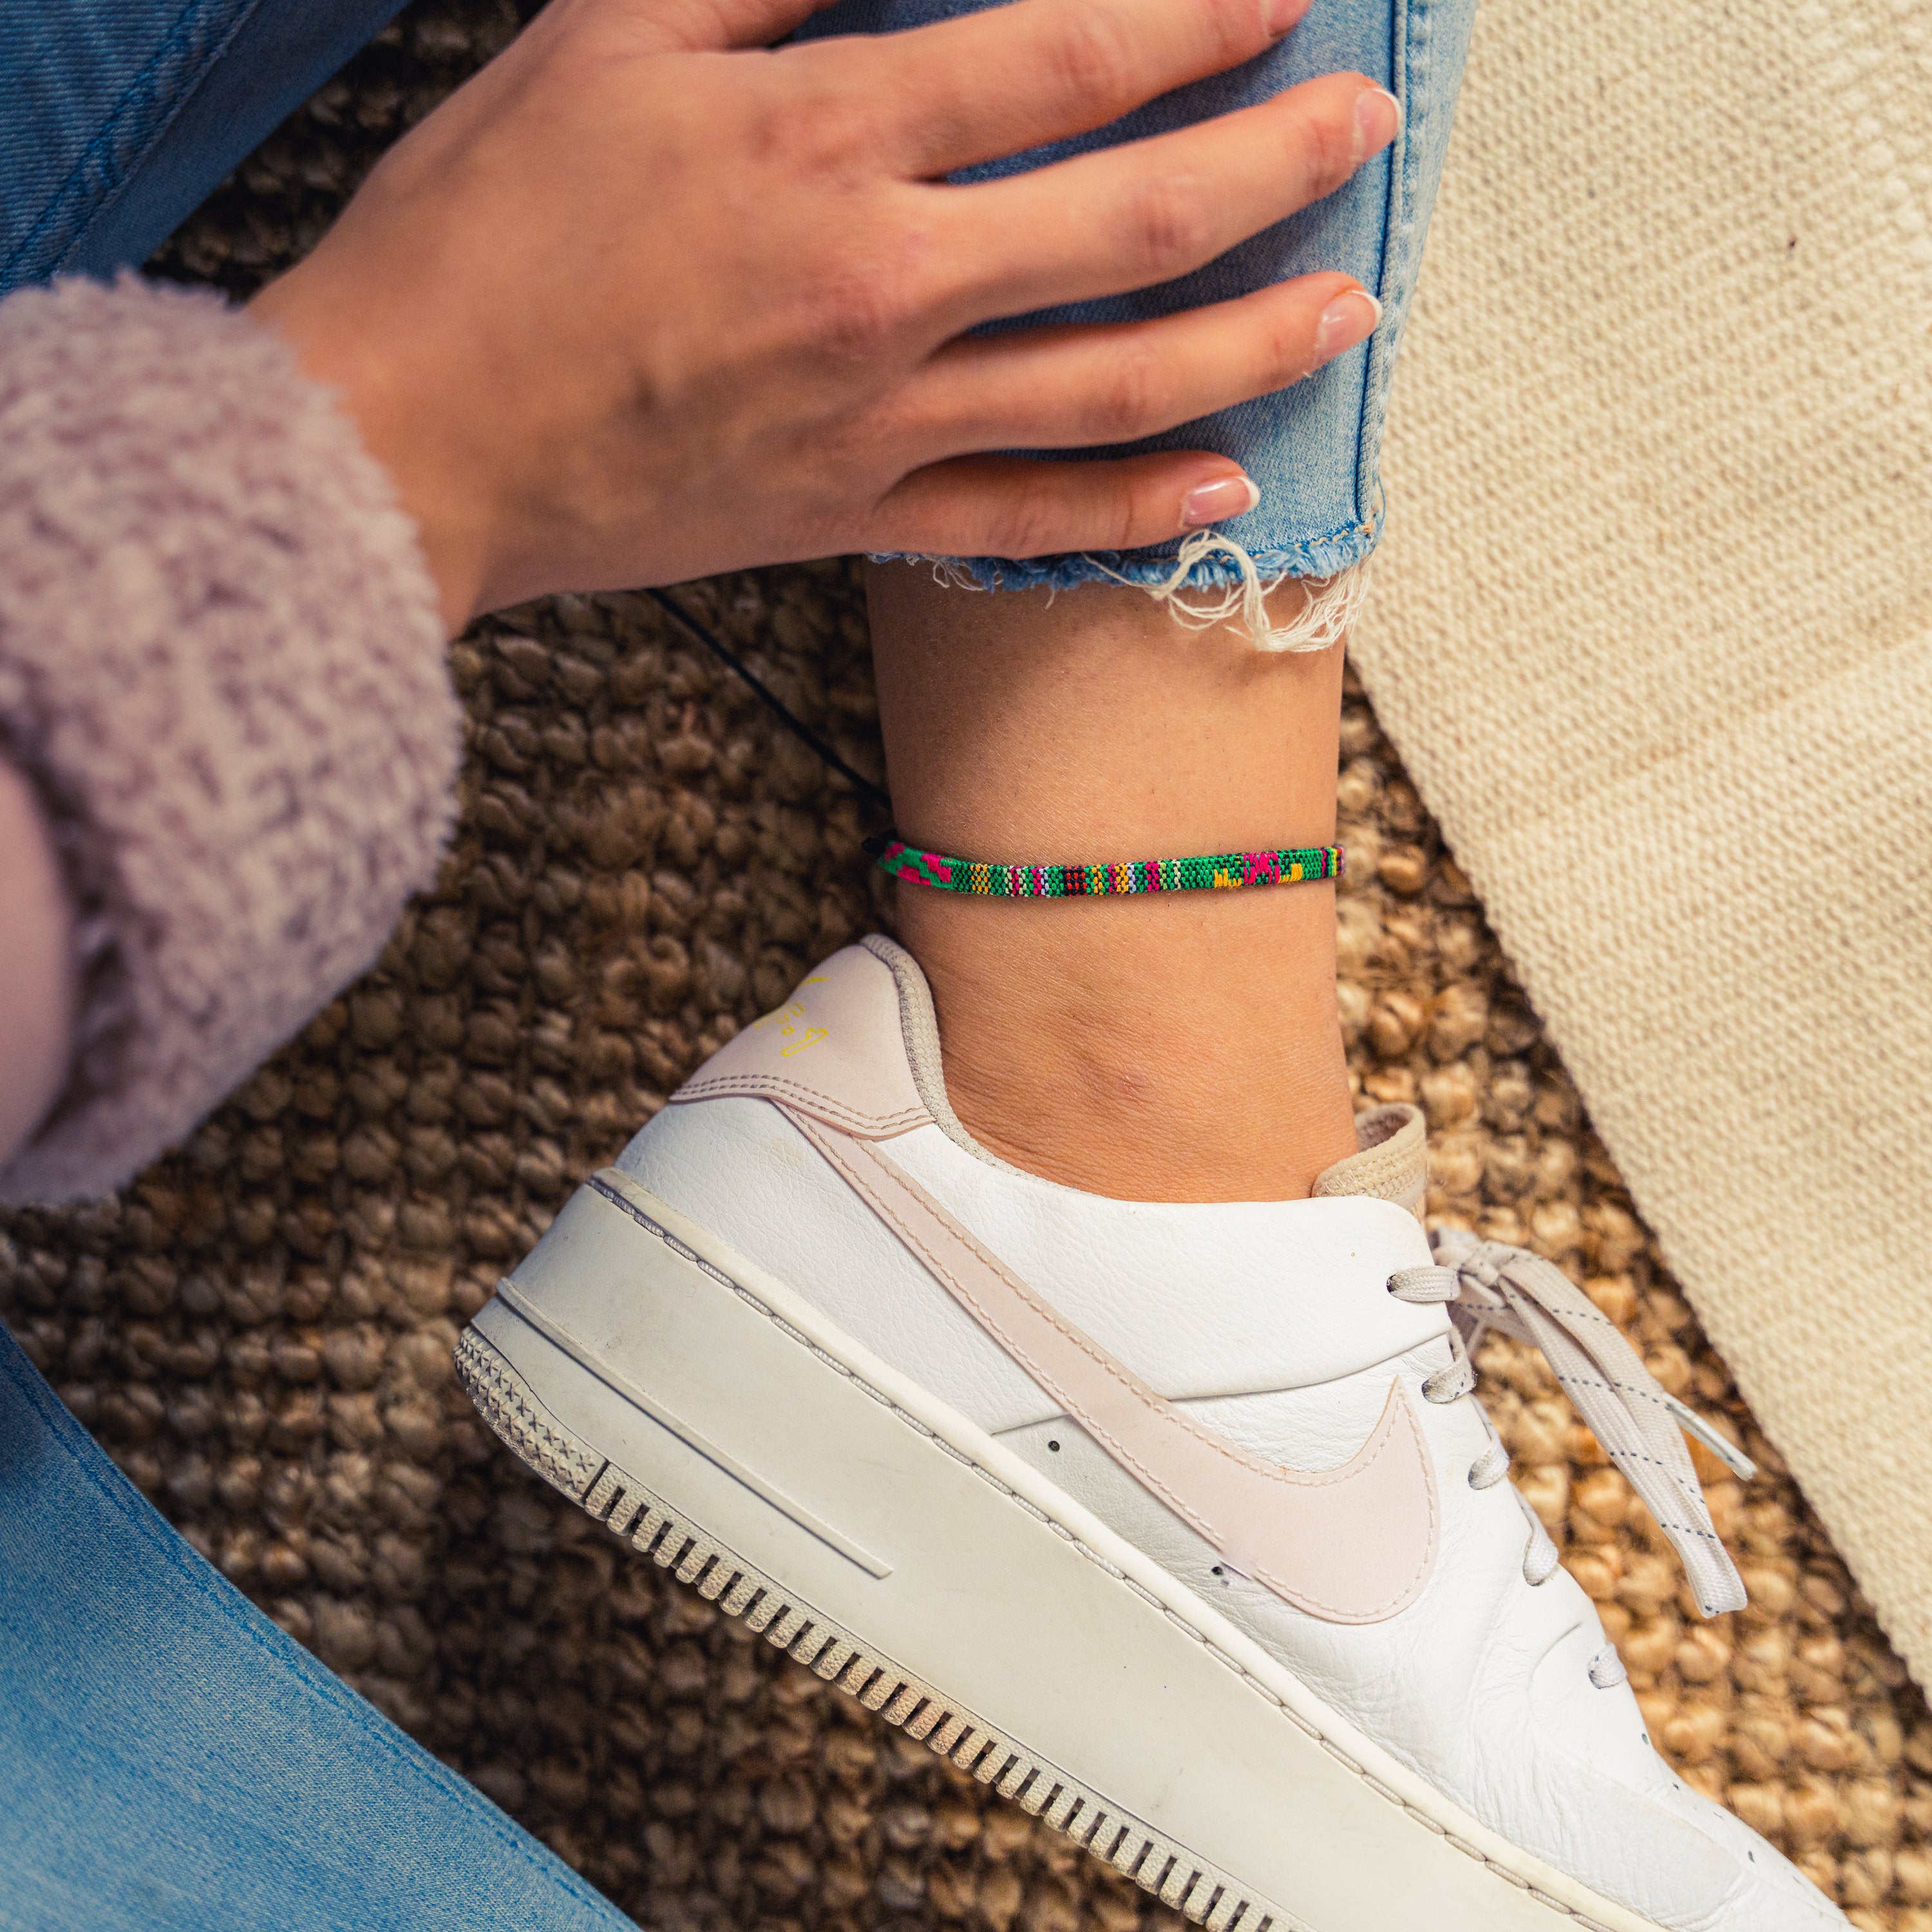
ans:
(397, 418)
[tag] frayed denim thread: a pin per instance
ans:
(1320, 557)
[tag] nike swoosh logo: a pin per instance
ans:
(1354, 1545)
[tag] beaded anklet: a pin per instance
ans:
(1213, 871)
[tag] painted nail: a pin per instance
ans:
(1379, 118)
(1216, 502)
(1347, 320)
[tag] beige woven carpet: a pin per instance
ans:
(260, 1330)
(1654, 627)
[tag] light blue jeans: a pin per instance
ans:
(168, 1760)
(1312, 449)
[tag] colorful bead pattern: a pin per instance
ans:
(1214, 872)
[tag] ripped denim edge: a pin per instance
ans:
(1205, 580)
(1323, 556)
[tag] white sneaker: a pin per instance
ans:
(1179, 1524)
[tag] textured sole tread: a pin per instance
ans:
(631, 1509)
(1201, 1892)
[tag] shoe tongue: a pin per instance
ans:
(1391, 1160)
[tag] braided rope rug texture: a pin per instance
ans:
(260, 1328)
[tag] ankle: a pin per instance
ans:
(1185, 1050)
(1118, 1133)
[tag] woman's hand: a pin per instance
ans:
(643, 301)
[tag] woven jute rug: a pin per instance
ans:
(260, 1328)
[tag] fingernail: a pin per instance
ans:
(1347, 320)
(1378, 118)
(1216, 502)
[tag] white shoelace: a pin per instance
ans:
(1642, 1427)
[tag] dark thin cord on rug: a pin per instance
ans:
(805, 734)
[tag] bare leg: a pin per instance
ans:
(1181, 1049)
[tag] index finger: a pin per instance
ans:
(994, 83)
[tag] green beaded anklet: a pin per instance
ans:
(1214, 872)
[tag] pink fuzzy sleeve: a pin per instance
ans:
(221, 666)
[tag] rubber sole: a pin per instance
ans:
(901, 1554)
(720, 1576)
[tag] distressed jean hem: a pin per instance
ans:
(1206, 580)
(1320, 556)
